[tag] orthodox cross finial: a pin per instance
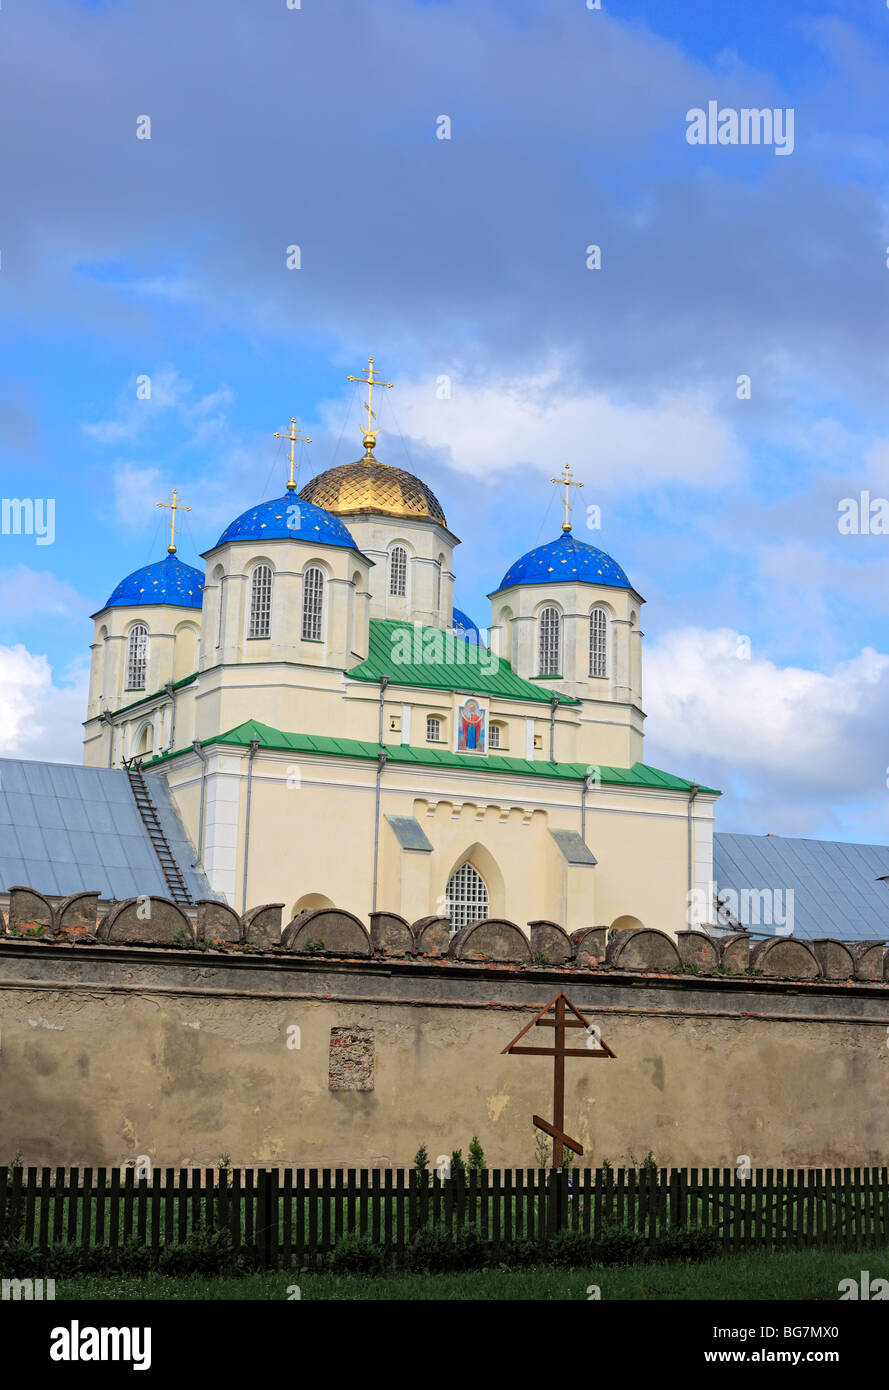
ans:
(568, 481)
(175, 506)
(370, 381)
(294, 439)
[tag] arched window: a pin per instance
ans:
(433, 730)
(598, 642)
(467, 897)
(494, 736)
(137, 657)
(548, 642)
(439, 566)
(398, 571)
(260, 602)
(313, 604)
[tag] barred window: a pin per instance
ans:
(137, 657)
(466, 899)
(261, 602)
(398, 571)
(494, 736)
(433, 730)
(598, 643)
(313, 604)
(548, 642)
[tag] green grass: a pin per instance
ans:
(797, 1274)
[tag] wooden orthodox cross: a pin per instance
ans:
(596, 1046)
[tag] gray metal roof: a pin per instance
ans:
(68, 829)
(836, 887)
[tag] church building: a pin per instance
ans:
(333, 730)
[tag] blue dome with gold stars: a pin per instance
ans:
(169, 581)
(566, 560)
(465, 627)
(288, 518)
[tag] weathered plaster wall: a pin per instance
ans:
(110, 1052)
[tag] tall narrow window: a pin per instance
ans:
(433, 730)
(494, 736)
(548, 643)
(313, 604)
(398, 571)
(260, 602)
(137, 657)
(438, 583)
(598, 643)
(466, 899)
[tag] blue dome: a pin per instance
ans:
(169, 581)
(565, 560)
(465, 627)
(288, 518)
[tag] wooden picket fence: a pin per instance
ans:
(288, 1217)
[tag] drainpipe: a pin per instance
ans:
(169, 689)
(106, 717)
(384, 681)
(203, 757)
(692, 793)
(383, 758)
(587, 784)
(254, 748)
(554, 703)
(381, 763)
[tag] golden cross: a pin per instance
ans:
(568, 481)
(370, 381)
(175, 506)
(294, 438)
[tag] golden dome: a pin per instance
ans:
(371, 486)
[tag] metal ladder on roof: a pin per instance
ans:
(169, 867)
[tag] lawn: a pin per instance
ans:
(796, 1274)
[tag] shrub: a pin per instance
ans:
(458, 1167)
(203, 1252)
(476, 1156)
(615, 1245)
(421, 1160)
(519, 1254)
(694, 1244)
(435, 1251)
(355, 1254)
(569, 1250)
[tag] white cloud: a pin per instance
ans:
(27, 594)
(542, 420)
(793, 743)
(39, 718)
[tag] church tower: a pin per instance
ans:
(398, 522)
(567, 615)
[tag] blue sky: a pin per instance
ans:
(767, 650)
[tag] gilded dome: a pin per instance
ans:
(371, 486)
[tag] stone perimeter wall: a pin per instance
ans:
(355, 1052)
(154, 921)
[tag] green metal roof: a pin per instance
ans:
(177, 685)
(481, 673)
(639, 775)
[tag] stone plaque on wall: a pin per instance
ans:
(351, 1059)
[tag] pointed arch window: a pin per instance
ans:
(466, 899)
(261, 602)
(398, 571)
(313, 604)
(598, 642)
(548, 642)
(137, 657)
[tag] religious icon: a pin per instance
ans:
(471, 728)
